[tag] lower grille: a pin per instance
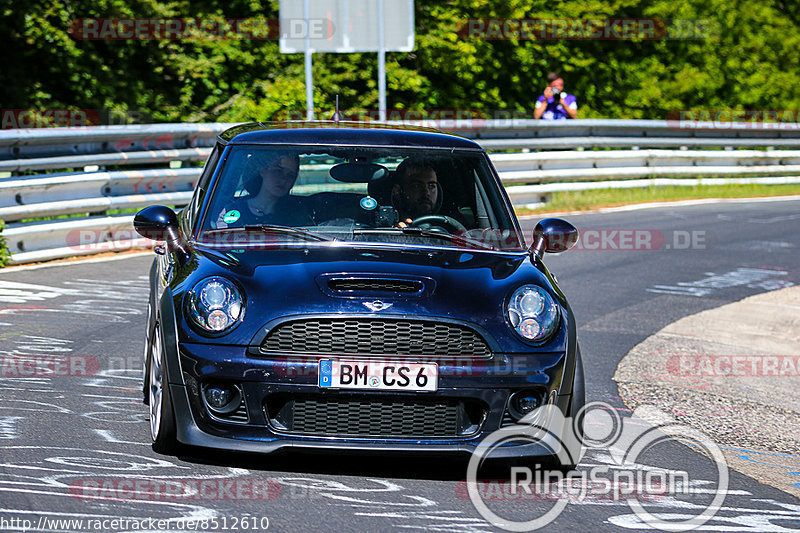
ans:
(375, 417)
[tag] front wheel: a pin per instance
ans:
(573, 436)
(162, 417)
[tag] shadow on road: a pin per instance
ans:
(361, 464)
(357, 464)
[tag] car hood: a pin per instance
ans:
(463, 285)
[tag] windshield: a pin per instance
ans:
(358, 194)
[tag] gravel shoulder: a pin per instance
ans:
(734, 373)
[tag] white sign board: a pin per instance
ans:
(346, 26)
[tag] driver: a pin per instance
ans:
(417, 191)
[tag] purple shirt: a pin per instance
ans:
(557, 112)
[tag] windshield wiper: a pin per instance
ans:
(285, 230)
(424, 232)
(274, 229)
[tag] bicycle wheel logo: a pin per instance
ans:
(598, 427)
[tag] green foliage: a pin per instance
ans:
(5, 255)
(741, 56)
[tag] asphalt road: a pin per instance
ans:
(71, 441)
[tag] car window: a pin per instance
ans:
(410, 196)
(202, 184)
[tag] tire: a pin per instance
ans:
(146, 358)
(576, 403)
(162, 416)
(578, 399)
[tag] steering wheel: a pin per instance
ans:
(441, 221)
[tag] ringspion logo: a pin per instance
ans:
(628, 445)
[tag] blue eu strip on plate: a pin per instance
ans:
(325, 370)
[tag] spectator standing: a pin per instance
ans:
(555, 103)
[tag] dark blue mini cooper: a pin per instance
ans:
(351, 286)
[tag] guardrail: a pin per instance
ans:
(530, 175)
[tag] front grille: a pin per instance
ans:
(362, 336)
(374, 285)
(375, 417)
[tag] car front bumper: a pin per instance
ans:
(486, 383)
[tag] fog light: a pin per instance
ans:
(218, 397)
(524, 402)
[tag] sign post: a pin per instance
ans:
(381, 64)
(347, 26)
(308, 67)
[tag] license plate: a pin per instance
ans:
(378, 375)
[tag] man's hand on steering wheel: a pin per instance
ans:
(444, 222)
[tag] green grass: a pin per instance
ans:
(597, 198)
(5, 256)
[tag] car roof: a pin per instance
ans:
(343, 134)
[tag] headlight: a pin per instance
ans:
(215, 304)
(532, 313)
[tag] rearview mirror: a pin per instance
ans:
(553, 235)
(358, 172)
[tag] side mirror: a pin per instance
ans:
(553, 235)
(157, 223)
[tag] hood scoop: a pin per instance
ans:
(350, 285)
(357, 286)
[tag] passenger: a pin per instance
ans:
(270, 178)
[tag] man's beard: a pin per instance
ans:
(421, 208)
